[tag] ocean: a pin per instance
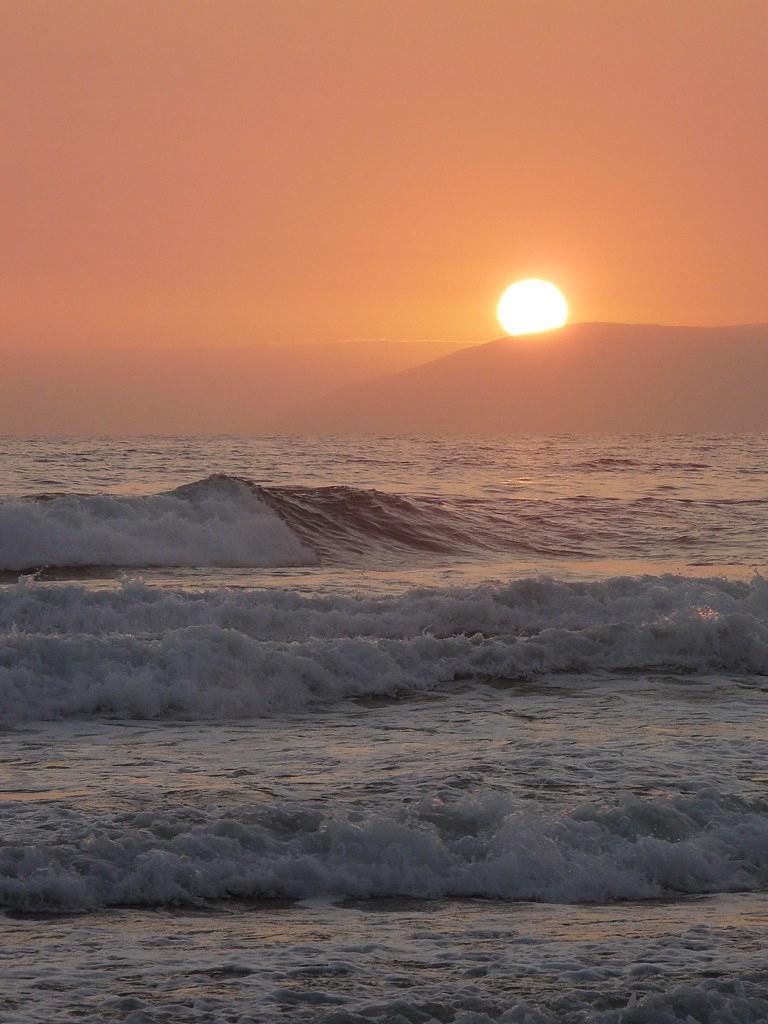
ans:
(356, 731)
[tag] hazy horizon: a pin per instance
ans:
(391, 387)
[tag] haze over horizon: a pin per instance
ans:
(583, 377)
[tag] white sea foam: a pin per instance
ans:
(521, 607)
(218, 522)
(713, 1002)
(480, 845)
(149, 652)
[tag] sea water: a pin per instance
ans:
(384, 730)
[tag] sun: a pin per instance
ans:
(531, 306)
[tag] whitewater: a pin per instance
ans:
(384, 730)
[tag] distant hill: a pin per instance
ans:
(590, 378)
(248, 389)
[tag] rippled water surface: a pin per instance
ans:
(249, 773)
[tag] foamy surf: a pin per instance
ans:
(485, 846)
(324, 796)
(218, 522)
(143, 652)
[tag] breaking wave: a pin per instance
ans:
(149, 652)
(231, 522)
(221, 521)
(483, 845)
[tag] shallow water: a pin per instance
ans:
(260, 791)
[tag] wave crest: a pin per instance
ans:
(231, 522)
(220, 521)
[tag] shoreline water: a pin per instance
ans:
(269, 792)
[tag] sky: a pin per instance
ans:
(227, 172)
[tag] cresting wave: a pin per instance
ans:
(483, 845)
(226, 521)
(217, 522)
(230, 522)
(146, 652)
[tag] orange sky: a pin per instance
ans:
(228, 171)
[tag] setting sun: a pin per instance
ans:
(531, 306)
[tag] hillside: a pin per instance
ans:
(584, 378)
